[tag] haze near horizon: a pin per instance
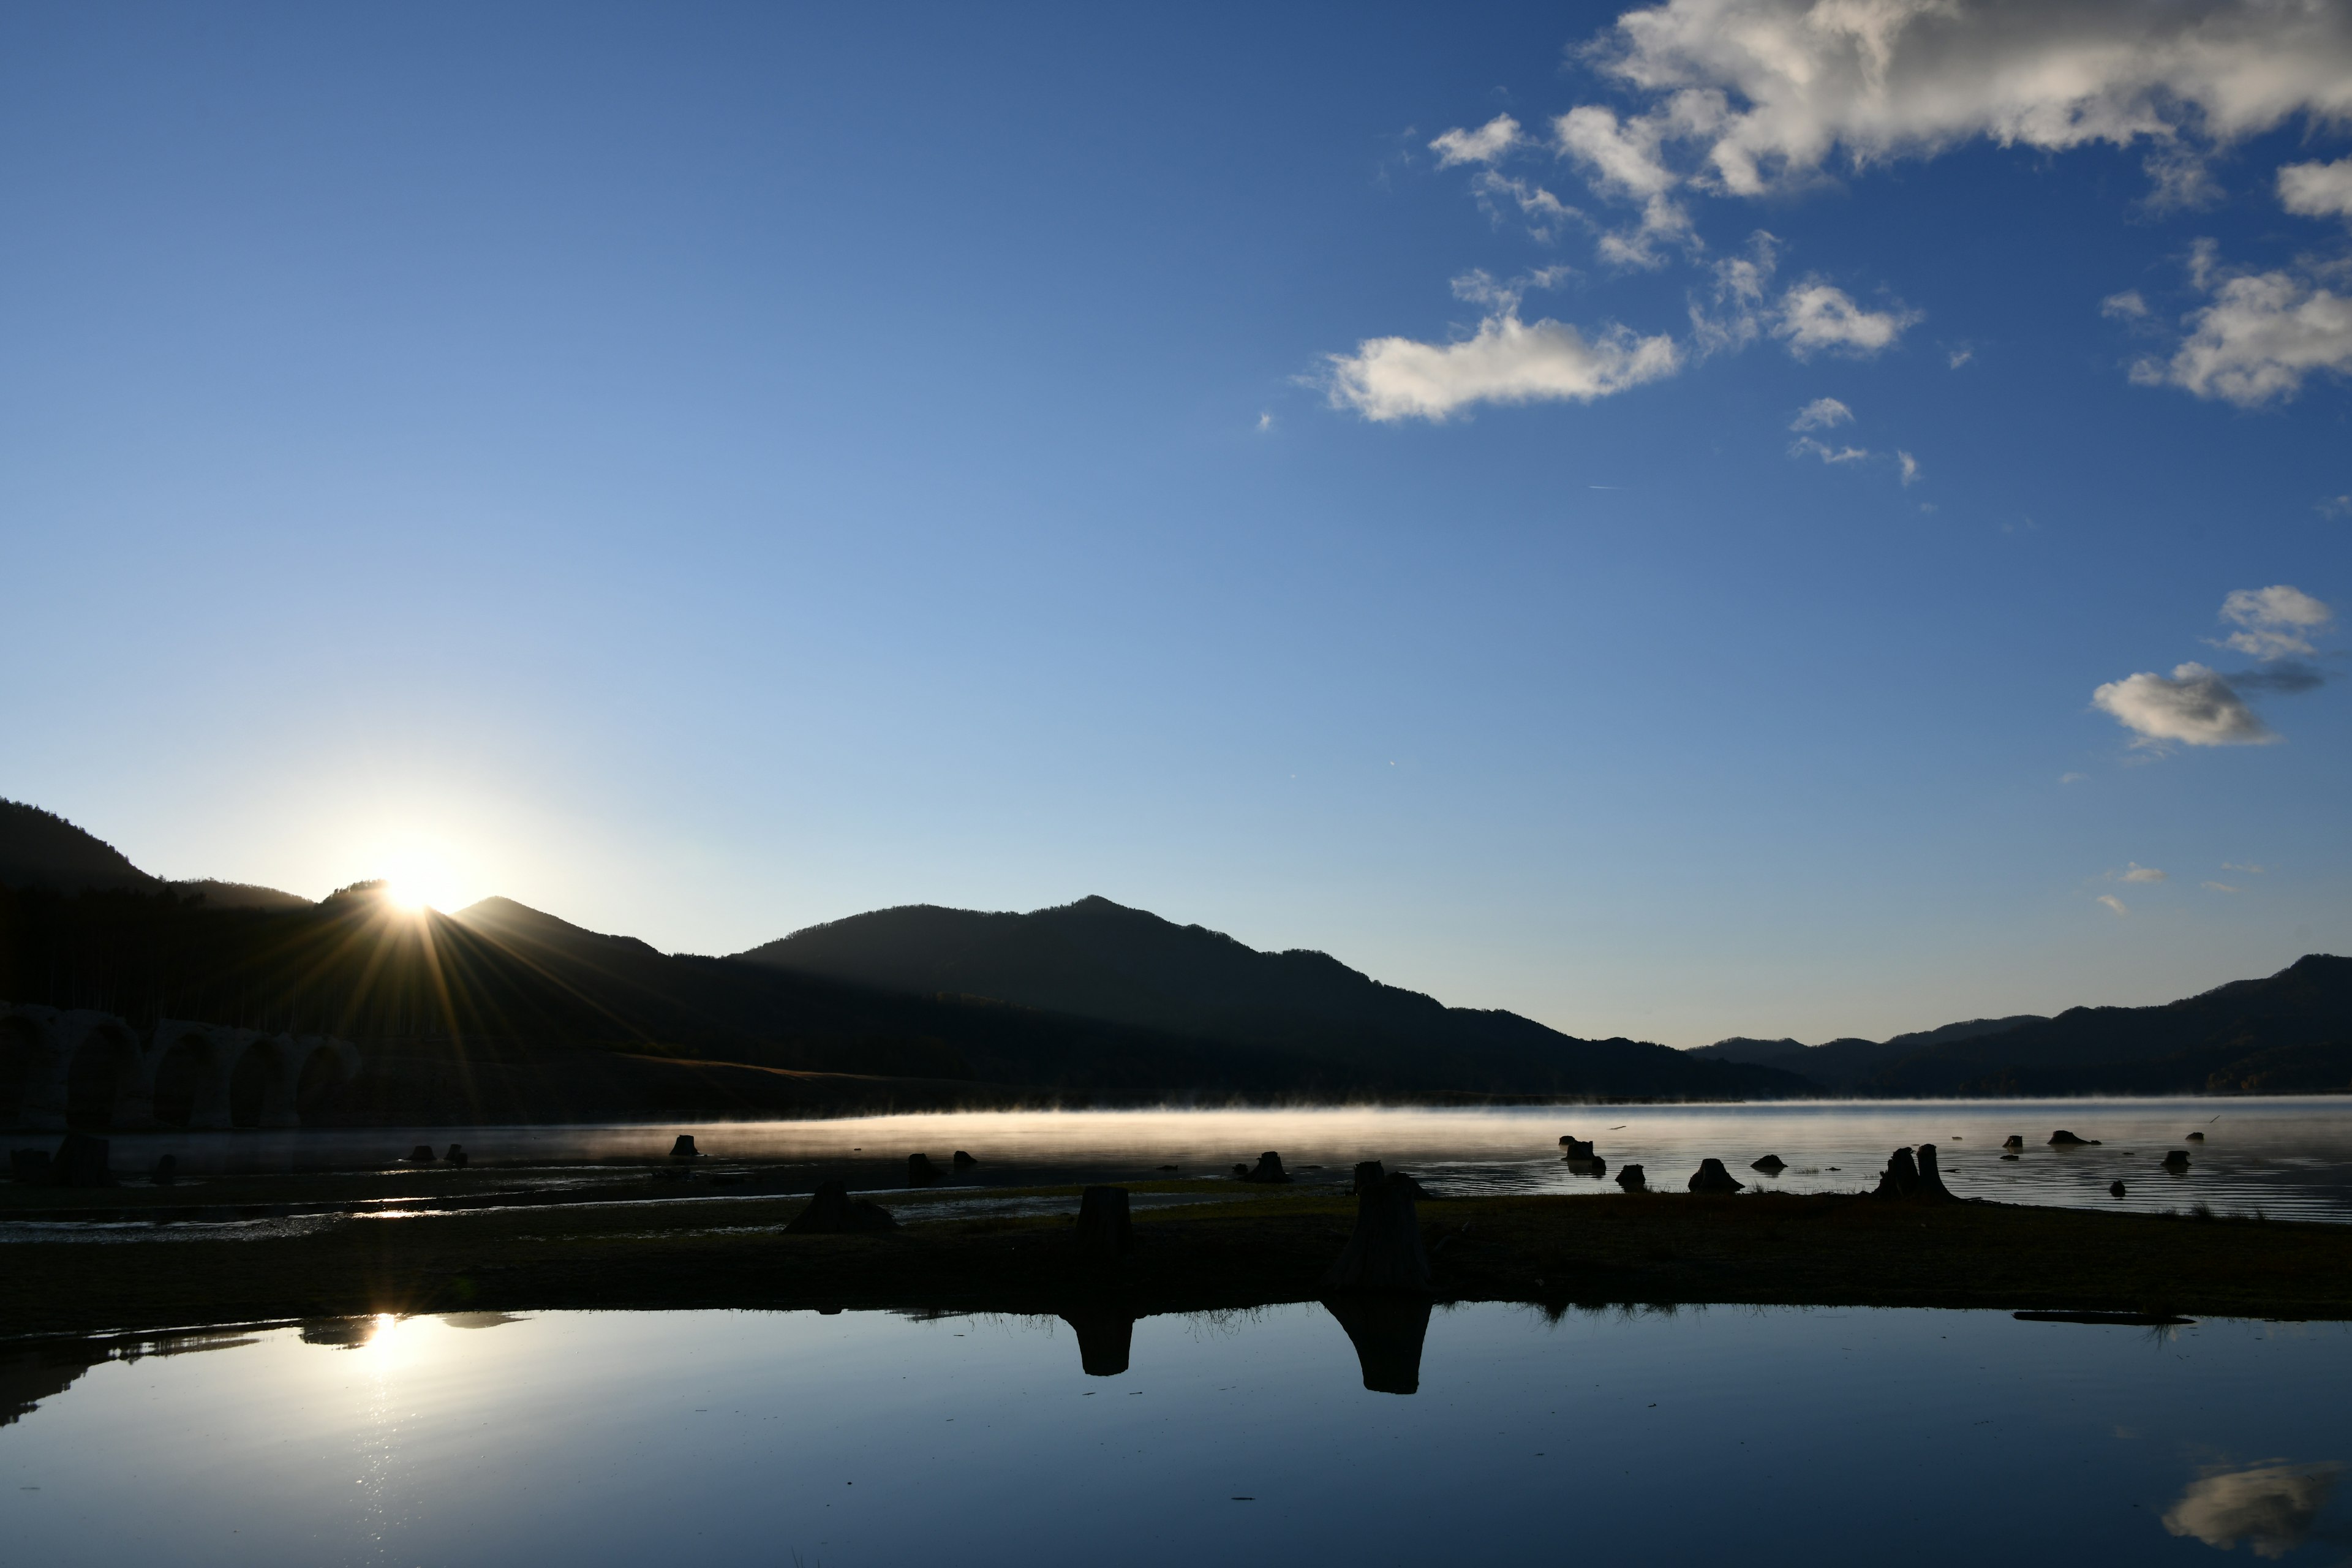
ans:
(1560, 507)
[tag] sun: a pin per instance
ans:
(421, 879)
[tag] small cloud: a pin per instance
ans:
(1962, 356)
(2251, 871)
(2272, 622)
(1822, 414)
(2126, 306)
(1486, 144)
(1816, 318)
(2114, 903)
(2335, 506)
(2220, 888)
(1910, 465)
(1265, 423)
(2139, 873)
(2317, 190)
(2194, 706)
(1508, 361)
(2072, 778)
(1806, 446)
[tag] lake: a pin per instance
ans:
(1698, 1436)
(2287, 1158)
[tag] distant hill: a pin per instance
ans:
(1841, 1064)
(42, 849)
(1097, 959)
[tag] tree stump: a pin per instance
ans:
(1711, 1178)
(456, 1154)
(921, 1172)
(963, 1160)
(1931, 1180)
(1388, 1333)
(1771, 1165)
(2012, 1141)
(1574, 1148)
(1385, 1251)
(2064, 1140)
(684, 1148)
(1269, 1169)
(832, 1211)
(421, 1155)
(2177, 1160)
(1106, 1337)
(1631, 1178)
(166, 1170)
(1901, 1177)
(1104, 1231)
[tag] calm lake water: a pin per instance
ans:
(1702, 1437)
(2290, 1158)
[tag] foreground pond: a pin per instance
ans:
(1698, 1436)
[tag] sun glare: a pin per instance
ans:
(419, 879)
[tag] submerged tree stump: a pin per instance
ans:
(1104, 1229)
(1771, 1165)
(1931, 1180)
(963, 1160)
(832, 1211)
(1269, 1169)
(1385, 1251)
(684, 1148)
(921, 1172)
(1631, 1178)
(1712, 1178)
(1901, 1177)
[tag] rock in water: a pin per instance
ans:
(1269, 1169)
(1388, 1333)
(684, 1148)
(1771, 1165)
(421, 1155)
(832, 1211)
(1901, 1177)
(1106, 1340)
(2197, 1137)
(1103, 1228)
(2062, 1139)
(456, 1154)
(2177, 1160)
(2012, 1141)
(1575, 1149)
(1385, 1253)
(1630, 1177)
(1931, 1180)
(81, 1162)
(2116, 1189)
(963, 1160)
(921, 1172)
(1711, 1177)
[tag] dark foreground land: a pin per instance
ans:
(1230, 1248)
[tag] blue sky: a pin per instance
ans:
(1335, 476)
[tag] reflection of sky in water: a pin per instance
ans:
(1698, 1436)
(2290, 1158)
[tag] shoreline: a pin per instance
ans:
(1227, 1250)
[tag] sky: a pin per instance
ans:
(1729, 517)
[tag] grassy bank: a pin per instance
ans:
(1236, 1248)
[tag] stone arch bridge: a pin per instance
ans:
(71, 1067)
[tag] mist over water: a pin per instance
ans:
(2287, 1158)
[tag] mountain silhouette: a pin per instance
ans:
(1842, 1064)
(1102, 960)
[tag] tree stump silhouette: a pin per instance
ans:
(832, 1211)
(1901, 1177)
(1385, 1252)
(1712, 1179)
(963, 1160)
(684, 1148)
(1269, 1169)
(1104, 1229)
(1771, 1165)
(1931, 1180)
(1631, 1178)
(921, 1172)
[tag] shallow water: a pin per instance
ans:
(1699, 1437)
(2289, 1158)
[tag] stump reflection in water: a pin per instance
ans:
(1387, 1331)
(1106, 1340)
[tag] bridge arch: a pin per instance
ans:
(108, 1084)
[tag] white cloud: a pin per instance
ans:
(1910, 465)
(2242, 866)
(2272, 1507)
(1506, 361)
(1265, 422)
(1740, 282)
(2114, 903)
(1962, 356)
(1771, 93)
(1487, 144)
(1663, 222)
(2274, 622)
(2072, 778)
(1806, 446)
(2321, 190)
(1814, 318)
(2139, 873)
(1621, 156)
(2220, 888)
(2336, 506)
(2194, 706)
(2264, 333)
(1822, 414)
(2126, 306)
(1545, 213)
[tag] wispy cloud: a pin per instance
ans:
(2249, 868)
(1487, 144)
(1910, 465)
(2072, 778)
(2220, 888)
(2139, 873)
(2260, 337)
(1806, 446)
(1816, 318)
(1822, 414)
(2114, 903)
(2274, 622)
